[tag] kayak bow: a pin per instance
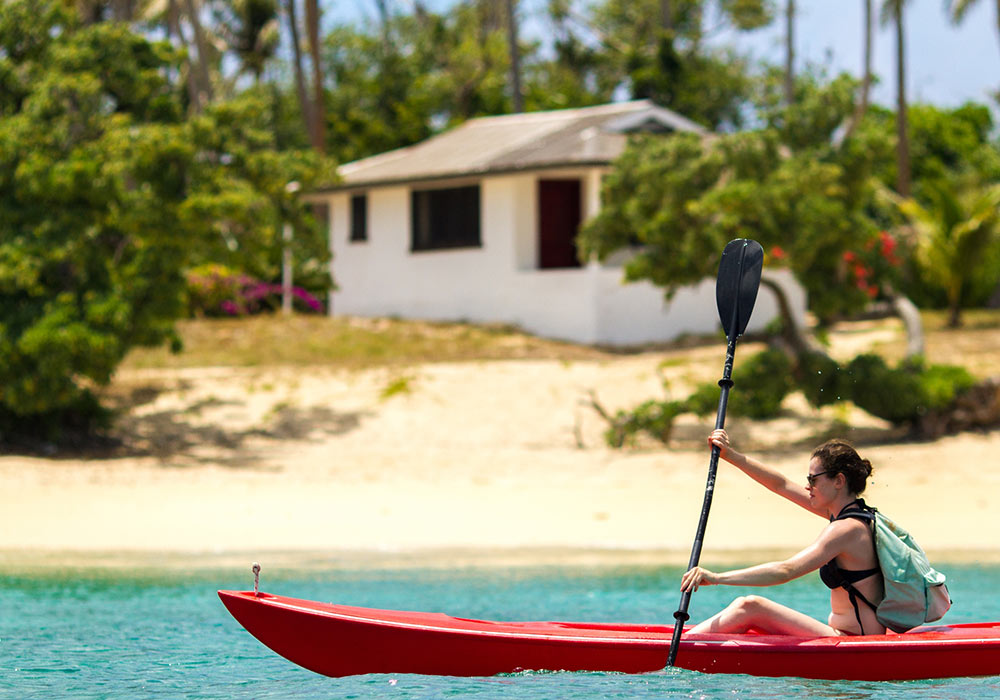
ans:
(341, 640)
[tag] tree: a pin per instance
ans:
(789, 51)
(250, 30)
(680, 198)
(954, 232)
(892, 11)
(579, 73)
(662, 55)
(107, 195)
(514, 50)
(311, 102)
(861, 108)
(92, 179)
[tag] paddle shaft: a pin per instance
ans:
(736, 292)
(726, 383)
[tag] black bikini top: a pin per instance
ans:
(831, 574)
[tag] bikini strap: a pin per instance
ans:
(853, 593)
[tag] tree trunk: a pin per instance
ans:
(515, 57)
(910, 315)
(203, 93)
(795, 337)
(318, 113)
(300, 81)
(902, 139)
(667, 15)
(866, 81)
(384, 17)
(789, 52)
(861, 108)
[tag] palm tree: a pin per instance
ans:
(515, 56)
(313, 111)
(953, 232)
(892, 11)
(866, 81)
(250, 29)
(957, 10)
(789, 52)
(319, 112)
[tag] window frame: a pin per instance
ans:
(446, 218)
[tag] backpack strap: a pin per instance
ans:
(865, 512)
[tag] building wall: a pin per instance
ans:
(500, 282)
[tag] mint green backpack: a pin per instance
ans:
(914, 592)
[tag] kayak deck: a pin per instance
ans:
(342, 640)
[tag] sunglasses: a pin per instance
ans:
(811, 478)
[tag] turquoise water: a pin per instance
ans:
(113, 633)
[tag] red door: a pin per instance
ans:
(558, 223)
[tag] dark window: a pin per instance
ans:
(446, 218)
(359, 218)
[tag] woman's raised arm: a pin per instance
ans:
(762, 474)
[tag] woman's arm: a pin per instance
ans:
(762, 474)
(832, 541)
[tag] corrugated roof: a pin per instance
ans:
(532, 140)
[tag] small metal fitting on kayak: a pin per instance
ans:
(256, 577)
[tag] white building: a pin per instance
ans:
(479, 223)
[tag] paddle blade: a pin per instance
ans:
(737, 284)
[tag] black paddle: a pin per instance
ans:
(735, 294)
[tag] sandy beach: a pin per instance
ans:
(473, 459)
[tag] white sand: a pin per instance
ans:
(475, 457)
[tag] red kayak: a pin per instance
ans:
(340, 640)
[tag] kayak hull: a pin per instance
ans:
(340, 640)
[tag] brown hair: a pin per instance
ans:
(840, 457)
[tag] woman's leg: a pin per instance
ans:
(762, 615)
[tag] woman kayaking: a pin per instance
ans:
(844, 552)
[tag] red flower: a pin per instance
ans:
(777, 253)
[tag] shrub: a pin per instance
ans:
(760, 385)
(942, 384)
(904, 394)
(892, 394)
(655, 418)
(821, 379)
(216, 290)
(704, 401)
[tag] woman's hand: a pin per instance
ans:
(719, 438)
(697, 577)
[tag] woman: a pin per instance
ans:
(844, 551)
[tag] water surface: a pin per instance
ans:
(114, 632)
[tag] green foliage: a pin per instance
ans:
(655, 418)
(238, 193)
(704, 401)
(91, 248)
(821, 379)
(956, 232)
(903, 394)
(106, 196)
(759, 386)
(681, 198)
(892, 394)
(940, 384)
(397, 386)
(668, 61)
